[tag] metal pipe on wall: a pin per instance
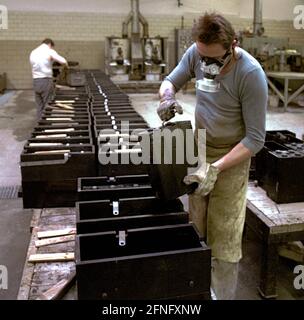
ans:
(135, 13)
(125, 25)
(144, 22)
(136, 17)
(258, 28)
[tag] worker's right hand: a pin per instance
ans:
(205, 177)
(168, 106)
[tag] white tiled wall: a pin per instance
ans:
(80, 36)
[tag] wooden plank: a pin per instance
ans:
(55, 267)
(58, 290)
(64, 101)
(58, 119)
(53, 227)
(259, 197)
(295, 207)
(280, 237)
(49, 241)
(292, 250)
(255, 193)
(278, 223)
(64, 106)
(58, 211)
(268, 222)
(28, 270)
(43, 257)
(37, 291)
(280, 214)
(58, 247)
(63, 88)
(287, 229)
(47, 274)
(289, 217)
(57, 220)
(257, 225)
(55, 233)
(268, 209)
(59, 130)
(49, 277)
(44, 144)
(263, 202)
(51, 136)
(52, 151)
(57, 110)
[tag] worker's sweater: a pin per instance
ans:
(236, 113)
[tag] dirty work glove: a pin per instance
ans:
(205, 178)
(168, 106)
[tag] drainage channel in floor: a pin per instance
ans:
(9, 192)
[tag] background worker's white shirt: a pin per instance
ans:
(42, 59)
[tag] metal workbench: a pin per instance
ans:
(287, 77)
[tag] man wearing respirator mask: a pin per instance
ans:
(231, 92)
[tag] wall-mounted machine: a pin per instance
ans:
(118, 57)
(136, 56)
(154, 65)
(274, 54)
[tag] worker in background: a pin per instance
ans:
(231, 92)
(41, 60)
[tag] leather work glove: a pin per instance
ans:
(168, 106)
(205, 178)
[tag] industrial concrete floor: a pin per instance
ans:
(17, 118)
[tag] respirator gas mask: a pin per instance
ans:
(211, 68)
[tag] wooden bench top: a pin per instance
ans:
(37, 278)
(280, 218)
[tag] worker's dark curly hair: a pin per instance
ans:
(49, 41)
(213, 28)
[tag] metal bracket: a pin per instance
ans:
(112, 179)
(122, 241)
(115, 205)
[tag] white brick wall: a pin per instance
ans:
(272, 9)
(95, 26)
(80, 36)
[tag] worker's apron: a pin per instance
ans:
(220, 216)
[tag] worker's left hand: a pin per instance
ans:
(205, 178)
